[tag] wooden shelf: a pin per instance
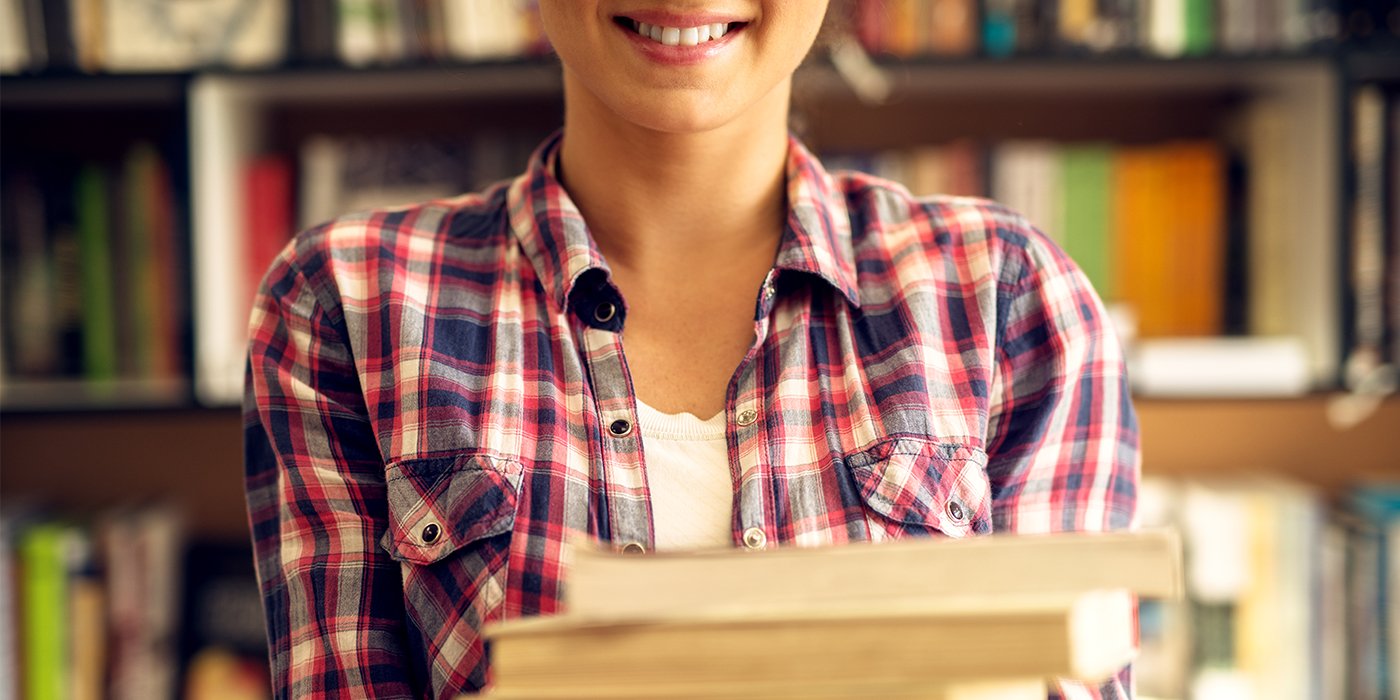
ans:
(89, 461)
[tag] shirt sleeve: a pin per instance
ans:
(1062, 441)
(317, 505)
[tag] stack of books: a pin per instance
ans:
(993, 617)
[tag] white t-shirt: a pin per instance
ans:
(692, 493)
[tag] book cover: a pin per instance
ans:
(1026, 178)
(1200, 27)
(99, 332)
(1087, 211)
(267, 182)
(14, 41)
(31, 334)
(1197, 174)
(952, 27)
(1367, 266)
(1143, 250)
(999, 31)
(45, 598)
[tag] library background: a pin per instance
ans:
(1227, 172)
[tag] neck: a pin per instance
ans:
(654, 199)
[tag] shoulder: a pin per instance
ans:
(965, 240)
(367, 253)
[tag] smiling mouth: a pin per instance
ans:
(678, 36)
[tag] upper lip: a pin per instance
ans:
(667, 18)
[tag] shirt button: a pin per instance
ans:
(620, 428)
(633, 548)
(747, 416)
(754, 538)
(430, 533)
(604, 312)
(955, 511)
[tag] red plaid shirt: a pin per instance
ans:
(438, 398)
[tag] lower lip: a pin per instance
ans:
(680, 55)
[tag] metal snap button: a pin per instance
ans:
(620, 428)
(430, 533)
(633, 548)
(955, 511)
(604, 312)
(747, 416)
(754, 538)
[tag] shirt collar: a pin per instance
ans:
(817, 239)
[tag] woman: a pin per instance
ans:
(675, 330)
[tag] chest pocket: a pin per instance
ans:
(439, 505)
(919, 486)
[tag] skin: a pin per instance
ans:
(679, 172)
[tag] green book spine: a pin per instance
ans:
(1087, 210)
(1200, 26)
(94, 241)
(45, 612)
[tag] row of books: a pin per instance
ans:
(135, 35)
(1286, 598)
(1181, 239)
(94, 266)
(116, 606)
(1169, 28)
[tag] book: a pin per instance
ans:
(1197, 236)
(1143, 252)
(1367, 353)
(138, 36)
(1086, 213)
(1026, 178)
(1219, 367)
(267, 187)
(92, 211)
(737, 624)
(606, 586)
(869, 650)
(14, 40)
(952, 27)
(43, 552)
(484, 29)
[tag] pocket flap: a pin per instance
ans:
(439, 504)
(933, 485)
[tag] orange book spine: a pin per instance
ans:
(1198, 174)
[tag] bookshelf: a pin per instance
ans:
(87, 450)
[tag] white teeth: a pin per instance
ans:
(681, 36)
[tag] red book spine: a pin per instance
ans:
(268, 197)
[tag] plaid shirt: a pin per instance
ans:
(438, 398)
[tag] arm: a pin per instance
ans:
(316, 500)
(1062, 438)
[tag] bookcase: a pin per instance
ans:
(87, 448)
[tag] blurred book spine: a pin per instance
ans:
(1287, 598)
(1166, 234)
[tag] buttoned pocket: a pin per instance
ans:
(924, 486)
(438, 505)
